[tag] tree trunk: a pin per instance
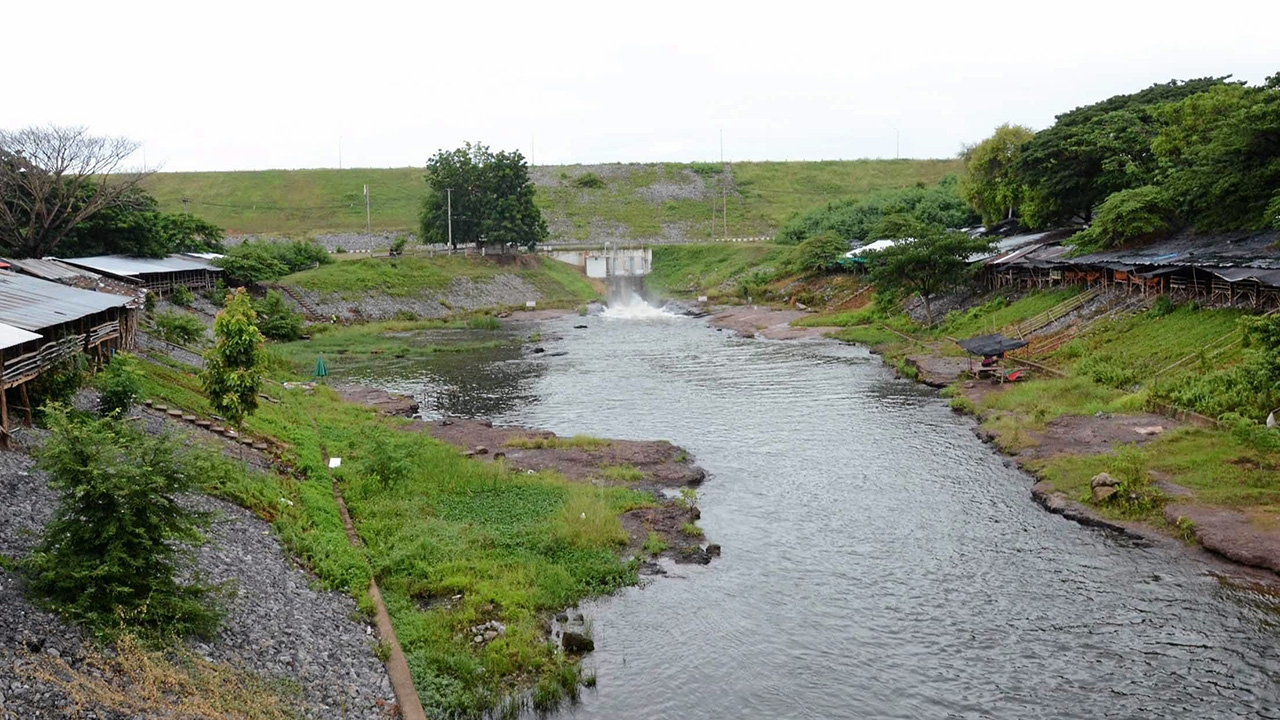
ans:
(928, 311)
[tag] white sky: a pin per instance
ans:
(248, 85)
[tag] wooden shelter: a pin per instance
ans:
(42, 324)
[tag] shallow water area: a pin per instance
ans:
(879, 560)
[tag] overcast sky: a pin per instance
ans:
(248, 85)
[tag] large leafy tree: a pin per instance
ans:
(235, 366)
(54, 178)
(1094, 151)
(488, 197)
(932, 260)
(856, 219)
(990, 185)
(135, 226)
(1219, 155)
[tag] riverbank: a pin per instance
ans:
(1189, 480)
(285, 647)
(464, 544)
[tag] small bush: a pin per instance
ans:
(178, 328)
(1162, 306)
(483, 322)
(691, 530)
(277, 319)
(1116, 372)
(405, 316)
(340, 250)
(119, 539)
(589, 181)
(181, 296)
(398, 245)
(149, 302)
(119, 385)
(654, 544)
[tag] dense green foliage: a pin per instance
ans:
(475, 195)
(255, 262)
(181, 296)
(856, 220)
(1249, 389)
(1141, 213)
(933, 261)
(820, 253)
(277, 320)
(136, 227)
(1202, 153)
(179, 328)
(111, 557)
(990, 185)
(119, 385)
(235, 366)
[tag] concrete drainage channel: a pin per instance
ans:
(396, 665)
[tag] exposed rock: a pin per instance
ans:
(481, 450)
(693, 555)
(713, 550)
(539, 350)
(1103, 492)
(575, 641)
(1103, 480)
(1149, 430)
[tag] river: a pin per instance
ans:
(879, 561)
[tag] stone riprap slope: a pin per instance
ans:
(276, 625)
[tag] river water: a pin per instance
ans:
(879, 561)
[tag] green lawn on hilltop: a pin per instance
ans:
(635, 198)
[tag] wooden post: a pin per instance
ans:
(4, 409)
(26, 402)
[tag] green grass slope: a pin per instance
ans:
(638, 201)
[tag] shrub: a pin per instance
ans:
(405, 316)
(820, 253)
(589, 180)
(182, 296)
(484, 322)
(277, 319)
(234, 367)
(119, 385)
(178, 328)
(1116, 372)
(255, 262)
(149, 302)
(398, 245)
(111, 556)
(1125, 216)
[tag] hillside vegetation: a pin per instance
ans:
(635, 201)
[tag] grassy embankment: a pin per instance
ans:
(635, 198)
(1122, 365)
(560, 284)
(453, 542)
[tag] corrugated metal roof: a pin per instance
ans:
(34, 304)
(11, 336)
(50, 269)
(1238, 249)
(205, 255)
(125, 266)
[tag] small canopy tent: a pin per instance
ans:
(991, 346)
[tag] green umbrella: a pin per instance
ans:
(321, 370)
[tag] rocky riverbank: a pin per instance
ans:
(279, 630)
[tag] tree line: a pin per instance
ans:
(1202, 154)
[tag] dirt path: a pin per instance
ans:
(770, 323)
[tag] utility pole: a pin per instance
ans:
(339, 152)
(897, 144)
(186, 210)
(449, 205)
(724, 187)
(368, 217)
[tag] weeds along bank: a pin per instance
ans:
(408, 288)
(473, 558)
(580, 202)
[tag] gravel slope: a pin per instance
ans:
(276, 625)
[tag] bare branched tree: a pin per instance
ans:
(54, 178)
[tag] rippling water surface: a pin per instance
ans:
(879, 561)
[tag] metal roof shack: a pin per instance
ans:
(43, 323)
(50, 269)
(33, 304)
(11, 336)
(158, 274)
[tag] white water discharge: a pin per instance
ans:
(626, 302)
